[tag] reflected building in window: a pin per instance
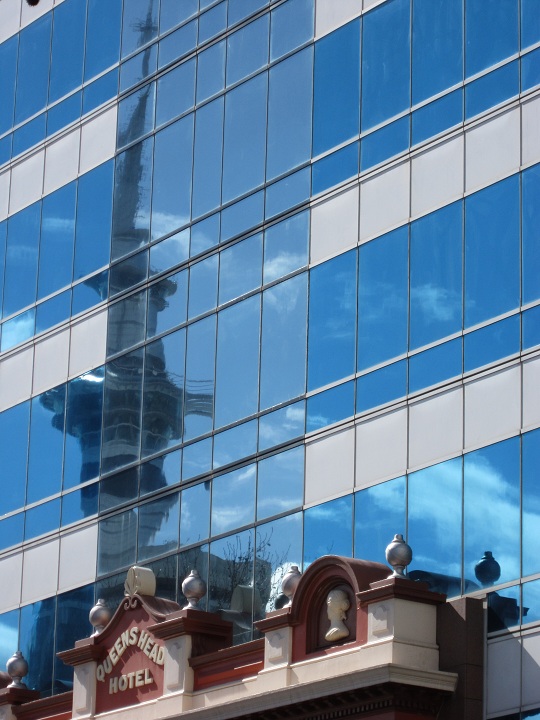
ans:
(269, 290)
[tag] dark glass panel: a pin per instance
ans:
(99, 91)
(530, 23)
(492, 89)
(11, 533)
(382, 144)
(128, 273)
(29, 134)
(503, 609)
(531, 603)
(9, 635)
(90, 292)
(530, 70)
(531, 328)
(118, 489)
(64, 113)
(437, 116)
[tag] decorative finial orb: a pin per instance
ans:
(487, 569)
(398, 555)
(194, 588)
(290, 583)
(99, 617)
(17, 668)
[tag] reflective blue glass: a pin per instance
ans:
(126, 323)
(328, 529)
(33, 68)
(282, 425)
(102, 36)
(132, 198)
(83, 428)
(20, 279)
(118, 489)
(158, 526)
(436, 365)
(286, 246)
(239, 9)
(197, 459)
(492, 89)
(117, 541)
(492, 473)
(434, 519)
(386, 62)
(128, 273)
(242, 216)
(18, 329)
(205, 234)
(80, 504)
(384, 143)
(283, 349)
(227, 512)
(171, 190)
(287, 193)
(100, 91)
(69, 20)
(200, 368)
(11, 533)
(436, 285)
(530, 501)
(138, 68)
(195, 514)
(36, 640)
(8, 76)
(437, 61)
(530, 209)
(383, 298)
(46, 444)
(336, 87)
(169, 252)
(163, 393)
(280, 483)
(278, 547)
(175, 93)
(29, 134)
(212, 22)
(70, 616)
(531, 606)
(335, 168)
(530, 23)
(491, 35)
(237, 361)
(173, 13)
(136, 115)
(503, 609)
(93, 228)
(240, 268)
(247, 49)
(381, 386)
(90, 292)
(234, 444)
(56, 247)
(289, 113)
(163, 471)
(292, 26)
(330, 406)
(531, 328)
(530, 70)
(437, 116)
(14, 428)
(332, 320)
(53, 311)
(167, 304)
(178, 43)
(42, 519)
(9, 634)
(379, 513)
(5, 149)
(244, 151)
(492, 343)
(203, 278)
(140, 24)
(211, 71)
(64, 113)
(492, 262)
(207, 159)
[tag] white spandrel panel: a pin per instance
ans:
(88, 343)
(62, 161)
(331, 14)
(98, 140)
(334, 225)
(30, 13)
(10, 18)
(381, 448)
(492, 408)
(10, 581)
(437, 176)
(436, 428)
(492, 150)
(503, 675)
(26, 182)
(5, 179)
(51, 361)
(329, 466)
(530, 664)
(78, 555)
(40, 571)
(531, 394)
(530, 132)
(16, 378)
(384, 201)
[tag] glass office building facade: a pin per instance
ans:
(270, 289)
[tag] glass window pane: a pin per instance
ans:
(207, 160)
(203, 279)
(278, 547)
(33, 68)
(71, 615)
(332, 320)
(492, 473)
(118, 489)
(42, 519)
(163, 471)
(286, 246)
(244, 149)
(69, 21)
(237, 364)
(292, 26)
(227, 512)
(530, 70)
(176, 94)
(46, 444)
(99, 91)
(386, 62)
(492, 343)
(381, 386)
(11, 533)
(234, 444)
(80, 504)
(136, 115)
(195, 514)
(18, 329)
(439, 115)
(491, 35)
(167, 302)
(531, 328)
(64, 113)
(20, 279)
(211, 71)
(530, 209)
(178, 43)
(491, 89)
(138, 68)
(531, 501)
(168, 253)
(9, 635)
(212, 22)
(531, 604)
(102, 35)
(492, 262)
(117, 541)
(205, 234)
(14, 427)
(30, 134)
(335, 168)
(93, 229)
(56, 248)
(503, 609)
(379, 513)
(436, 275)
(37, 641)
(530, 23)
(330, 406)
(126, 323)
(243, 215)
(240, 9)
(240, 268)
(247, 49)
(8, 76)
(197, 459)
(283, 351)
(328, 530)
(336, 87)
(382, 144)
(90, 292)
(140, 24)
(280, 483)
(282, 425)
(287, 193)
(200, 367)
(383, 298)
(173, 13)
(436, 365)
(158, 527)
